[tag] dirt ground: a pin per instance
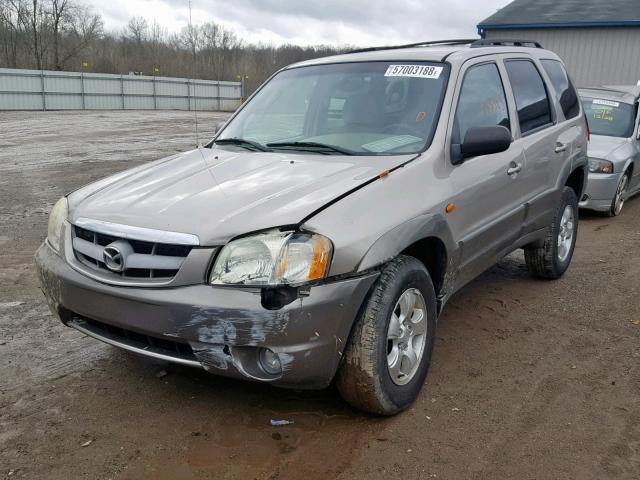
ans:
(530, 379)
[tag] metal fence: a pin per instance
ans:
(48, 90)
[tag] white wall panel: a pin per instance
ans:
(594, 56)
(23, 90)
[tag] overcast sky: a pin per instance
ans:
(311, 22)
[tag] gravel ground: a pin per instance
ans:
(530, 379)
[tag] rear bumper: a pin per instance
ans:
(600, 191)
(218, 329)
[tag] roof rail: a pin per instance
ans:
(505, 43)
(431, 43)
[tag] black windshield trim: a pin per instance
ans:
(242, 142)
(311, 146)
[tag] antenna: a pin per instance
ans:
(193, 75)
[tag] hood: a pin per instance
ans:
(601, 146)
(218, 194)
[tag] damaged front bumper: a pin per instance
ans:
(220, 329)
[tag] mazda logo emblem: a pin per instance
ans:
(113, 258)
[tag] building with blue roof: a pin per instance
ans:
(598, 40)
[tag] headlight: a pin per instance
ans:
(56, 218)
(600, 166)
(273, 258)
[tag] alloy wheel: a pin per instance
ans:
(620, 195)
(406, 336)
(566, 232)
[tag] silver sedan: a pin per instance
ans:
(614, 149)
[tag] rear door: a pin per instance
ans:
(549, 138)
(487, 190)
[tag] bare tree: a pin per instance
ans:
(37, 22)
(12, 29)
(57, 12)
(157, 39)
(61, 34)
(84, 27)
(138, 29)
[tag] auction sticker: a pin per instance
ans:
(608, 103)
(416, 71)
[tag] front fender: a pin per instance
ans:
(406, 234)
(625, 166)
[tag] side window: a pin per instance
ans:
(482, 101)
(532, 102)
(565, 92)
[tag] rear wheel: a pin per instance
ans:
(388, 356)
(620, 197)
(553, 258)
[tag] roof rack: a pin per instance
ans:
(432, 43)
(505, 43)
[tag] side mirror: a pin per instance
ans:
(481, 141)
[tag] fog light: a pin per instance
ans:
(270, 362)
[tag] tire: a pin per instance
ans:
(619, 198)
(552, 259)
(365, 378)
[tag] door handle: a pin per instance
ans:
(560, 147)
(514, 168)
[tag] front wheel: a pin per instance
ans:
(553, 258)
(620, 197)
(388, 355)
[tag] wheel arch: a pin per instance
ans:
(432, 252)
(577, 181)
(426, 237)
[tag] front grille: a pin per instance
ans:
(137, 340)
(149, 260)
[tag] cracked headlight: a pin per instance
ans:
(273, 258)
(56, 219)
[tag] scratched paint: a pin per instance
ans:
(235, 326)
(213, 356)
(217, 327)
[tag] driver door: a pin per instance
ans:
(487, 190)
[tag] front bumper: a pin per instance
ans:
(217, 328)
(600, 191)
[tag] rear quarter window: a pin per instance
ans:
(565, 92)
(532, 101)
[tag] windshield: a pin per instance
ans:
(372, 108)
(609, 118)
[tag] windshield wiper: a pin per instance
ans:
(242, 142)
(312, 147)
